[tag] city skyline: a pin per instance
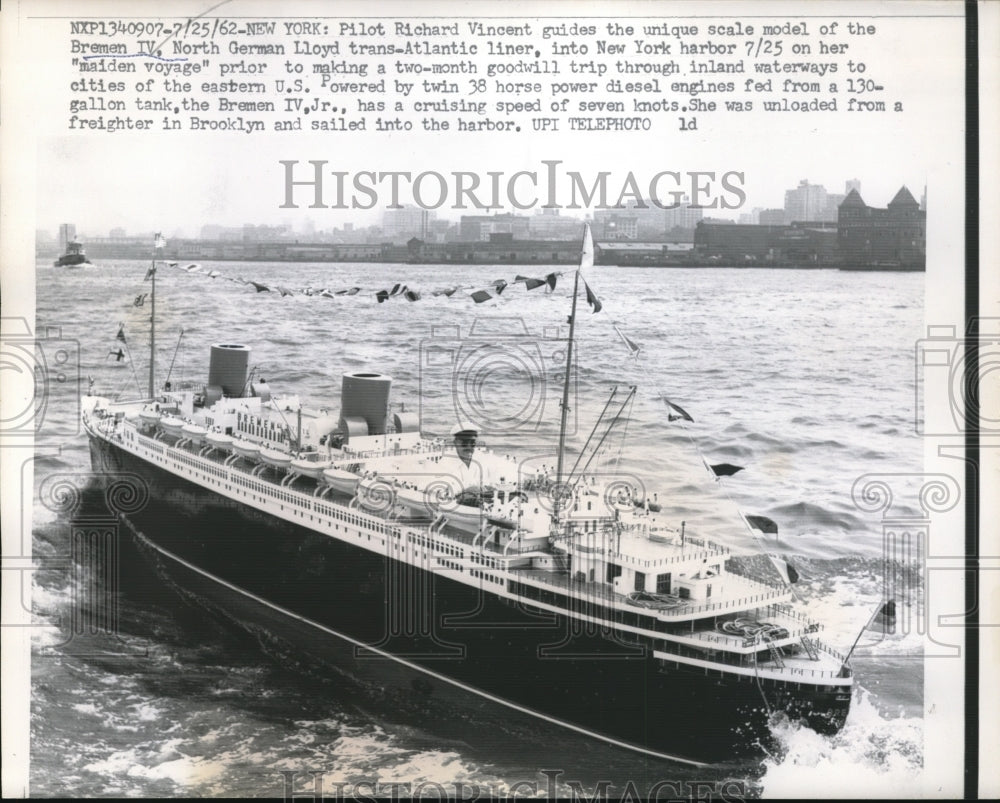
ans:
(177, 183)
(375, 221)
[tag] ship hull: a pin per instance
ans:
(71, 261)
(438, 646)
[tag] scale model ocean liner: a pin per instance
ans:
(566, 603)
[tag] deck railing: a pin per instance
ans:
(645, 563)
(604, 592)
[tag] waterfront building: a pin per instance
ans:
(890, 237)
(473, 228)
(615, 224)
(804, 244)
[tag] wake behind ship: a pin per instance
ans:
(351, 539)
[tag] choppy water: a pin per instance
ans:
(803, 377)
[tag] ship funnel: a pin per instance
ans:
(227, 368)
(364, 404)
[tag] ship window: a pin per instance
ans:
(708, 590)
(614, 570)
(640, 581)
(663, 583)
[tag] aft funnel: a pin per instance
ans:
(227, 368)
(364, 397)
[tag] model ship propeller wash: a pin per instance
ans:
(454, 578)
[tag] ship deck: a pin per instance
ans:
(701, 636)
(696, 616)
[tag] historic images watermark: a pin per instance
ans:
(42, 382)
(38, 371)
(501, 375)
(550, 783)
(953, 372)
(326, 187)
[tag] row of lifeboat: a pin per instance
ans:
(375, 494)
(188, 433)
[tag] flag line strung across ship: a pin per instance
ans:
(478, 293)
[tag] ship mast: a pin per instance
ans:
(152, 321)
(587, 251)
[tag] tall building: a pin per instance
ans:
(852, 184)
(833, 202)
(400, 225)
(684, 216)
(547, 224)
(890, 237)
(806, 202)
(616, 224)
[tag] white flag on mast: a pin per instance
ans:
(587, 257)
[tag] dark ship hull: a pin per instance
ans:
(440, 649)
(71, 261)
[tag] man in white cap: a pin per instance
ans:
(470, 476)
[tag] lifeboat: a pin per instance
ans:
(219, 440)
(148, 416)
(467, 518)
(172, 426)
(194, 433)
(377, 494)
(246, 449)
(341, 480)
(309, 468)
(275, 458)
(416, 501)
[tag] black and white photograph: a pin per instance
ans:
(459, 401)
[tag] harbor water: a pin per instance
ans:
(805, 378)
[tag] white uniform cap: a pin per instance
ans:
(464, 426)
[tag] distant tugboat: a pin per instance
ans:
(74, 256)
